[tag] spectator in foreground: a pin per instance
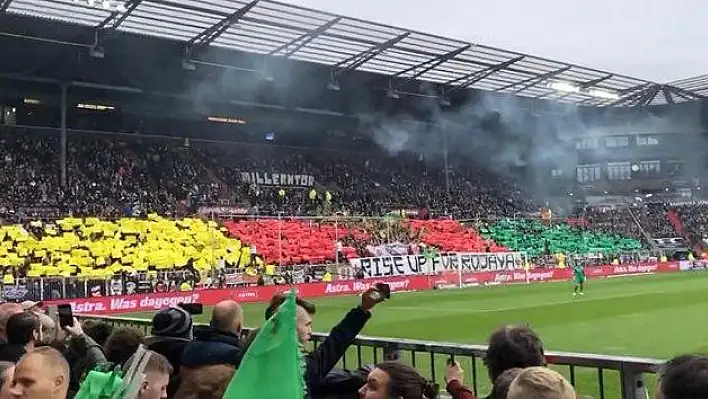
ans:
(500, 389)
(513, 347)
(82, 353)
(41, 374)
(24, 332)
(540, 383)
(7, 309)
(206, 382)
(172, 332)
(319, 381)
(393, 380)
(98, 330)
(156, 376)
(684, 376)
(7, 371)
(219, 342)
(122, 344)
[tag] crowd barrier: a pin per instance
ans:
(209, 297)
(600, 376)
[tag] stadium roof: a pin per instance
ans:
(278, 29)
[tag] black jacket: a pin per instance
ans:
(211, 347)
(12, 353)
(340, 384)
(330, 351)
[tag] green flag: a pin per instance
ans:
(99, 385)
(271, 367)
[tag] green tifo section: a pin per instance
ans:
(654, 316)
(530, 236)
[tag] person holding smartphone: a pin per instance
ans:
(320, 362)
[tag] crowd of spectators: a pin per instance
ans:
(115, 175)
(42, 360)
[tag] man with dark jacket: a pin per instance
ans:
(320, 363)
(219, 342)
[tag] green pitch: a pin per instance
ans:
(652, 316)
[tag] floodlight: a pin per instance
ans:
(393, 94)
(121, 8)
(563, 86)
(600, 93)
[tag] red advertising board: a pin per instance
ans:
(152, 302)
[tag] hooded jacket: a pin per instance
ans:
(211, 347)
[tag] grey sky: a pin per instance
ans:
(650, 39)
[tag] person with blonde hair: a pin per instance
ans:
(540, 383)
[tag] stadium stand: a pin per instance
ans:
(538, 238)
(96, 248)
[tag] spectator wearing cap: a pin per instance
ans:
(24, 332)
(171, 332)
(219, 342)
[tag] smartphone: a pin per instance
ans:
(192, 308)
(383, 289)
(65, 315)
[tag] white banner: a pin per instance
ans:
(277, 179)
(405, 265)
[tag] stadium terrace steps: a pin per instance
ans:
(314, 242)
(537, 238)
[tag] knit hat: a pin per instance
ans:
(172, 322)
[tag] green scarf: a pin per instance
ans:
(303, 366)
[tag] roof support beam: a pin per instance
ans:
(686, 93)
(357, 60)
(4, 4)
(426, 66)
(301, 41)
(474, 77)
(595, 82)
(532, 81)
(649, 96)
(633, 94)
(116, 18)
(667, 95)
(208, 35)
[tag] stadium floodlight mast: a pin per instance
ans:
(570, 87)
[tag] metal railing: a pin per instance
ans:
(600, 376)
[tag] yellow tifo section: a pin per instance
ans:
(92, 247)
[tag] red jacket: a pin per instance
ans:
(459, 391)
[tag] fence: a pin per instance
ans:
(605, 376)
